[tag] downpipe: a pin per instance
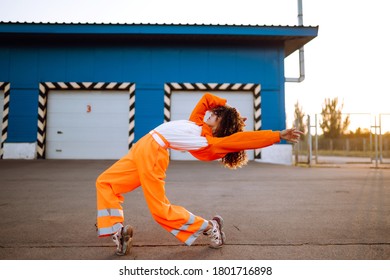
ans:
(301, 51)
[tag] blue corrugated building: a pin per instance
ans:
(89, 91)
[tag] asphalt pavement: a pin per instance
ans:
(271, 212)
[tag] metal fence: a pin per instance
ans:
(367, 140)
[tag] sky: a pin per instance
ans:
(347, 60)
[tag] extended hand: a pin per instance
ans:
(291, 135)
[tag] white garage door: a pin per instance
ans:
(1, 108)
(1, 119)
(87, 124)
(183, 102)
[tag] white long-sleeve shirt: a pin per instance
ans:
(182, 135)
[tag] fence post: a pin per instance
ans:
(309, 141)
(316, 138)
(371, 156)
(380, 139)
(296, 146)
(376, 145)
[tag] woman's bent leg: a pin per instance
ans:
(176, 219)
(120, 178)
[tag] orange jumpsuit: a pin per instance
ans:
(146, 164)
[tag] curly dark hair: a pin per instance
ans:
(230, 123)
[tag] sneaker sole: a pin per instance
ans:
(128, 241)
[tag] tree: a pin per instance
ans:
(360, 132)
(332, 123)
(298, 118)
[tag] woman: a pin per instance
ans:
(221, 136)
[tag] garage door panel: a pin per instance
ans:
(81, 94)
(89, 107)
(95, 120)
(86, 134)
(76, 150)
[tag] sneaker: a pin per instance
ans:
(217, 236)
(123, 240)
